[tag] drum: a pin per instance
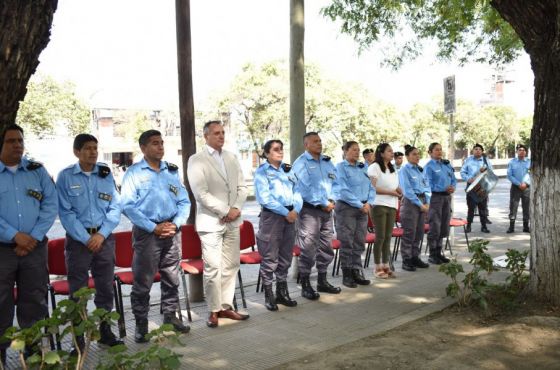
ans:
(482, 185)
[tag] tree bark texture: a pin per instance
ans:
(538, 25)
(186, 100)
(26, 30)
(297, 78)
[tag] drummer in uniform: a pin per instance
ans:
(474, 165)
(281, 204)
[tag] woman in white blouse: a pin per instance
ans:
(385, 180)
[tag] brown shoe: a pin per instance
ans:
(231, 314)
(212, 321)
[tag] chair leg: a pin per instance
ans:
(121, 324)
(234, 302)
(116, 297)
(53, 305)
(466, 235)
(51, 338)
(338, 267)
(241, 289)
(185, 289)
(368, 254)
(258, 281)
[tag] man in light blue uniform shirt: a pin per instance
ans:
(89, 210)
(157, 204)
(474, 165)
(354, 195)
(518, 174)
(316, 175)
(28, 208)
(275, 192)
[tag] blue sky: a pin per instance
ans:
(123, 53)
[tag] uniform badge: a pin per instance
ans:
(106, 197)
(173, 189)
(286, 167)
(35, 194)
(331, 176)
(360, 165)
(103, 171)
(172, 167)
(75, 186)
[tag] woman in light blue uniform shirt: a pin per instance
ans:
(354, 198)
(414, 207)
(275, 192)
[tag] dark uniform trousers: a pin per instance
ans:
(79, 260)
(439, 216)
(152, 254)
(412, 220)
(482, 210)
(515, 194)
(31, 276)
(275, 241)
(351, 229)
(314, 236)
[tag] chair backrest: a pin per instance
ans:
(123, 249)
(247, 235)
(56, 260)
(190, 243)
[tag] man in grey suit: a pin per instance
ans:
(219, 188)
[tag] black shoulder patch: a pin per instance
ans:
(103, 171)
(360, 165)
(286, 167)
(172, 167)
(326, 158)
(32, 166)
(445, 161)
(420, 168)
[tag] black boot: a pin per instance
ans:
(468, 229)
(484, 229)
(359, 277)
(283, 296)
(434, 258)
(407, 265)
(307, 290)
(417, 262)
(269, 300)
(348, 278)
(324, 286)
(526, 228)
(442, 257)
(141, 331)
(511, 227)
(107, 336)
(170, 318)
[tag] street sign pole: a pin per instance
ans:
(449, 107)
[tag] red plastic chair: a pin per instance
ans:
(192, 262)
(123, 260)
(247, 240)
(57, 266)
(457, 222)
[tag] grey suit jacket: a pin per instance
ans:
(215, 193)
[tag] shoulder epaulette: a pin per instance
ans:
(172, 167)
(361, 164)
(103, 170)
(326, 158)
(32, 166)
(286, 167)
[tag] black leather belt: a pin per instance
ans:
(160, 222)
(309, 205)
(93, 230)
(440, 193)
(8, 245)
(364, 201)
(269, 210)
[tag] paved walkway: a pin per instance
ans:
(270, 339)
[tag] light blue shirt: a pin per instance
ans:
(28, 202)
(518, 171)
(472, 166)
(149, 197)
(353, 185)
(275, 189)
(413, 183)
(315, 179)
(87, 202)
(439, 175)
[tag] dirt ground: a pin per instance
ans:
(526, 338)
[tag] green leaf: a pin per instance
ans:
(52, 358)
(17, 345)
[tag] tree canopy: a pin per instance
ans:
(467, 30)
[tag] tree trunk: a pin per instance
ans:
(297, 78)
(536, 23)
(26, 29)
(545, 189)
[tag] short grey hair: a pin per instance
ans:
(207, 125)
